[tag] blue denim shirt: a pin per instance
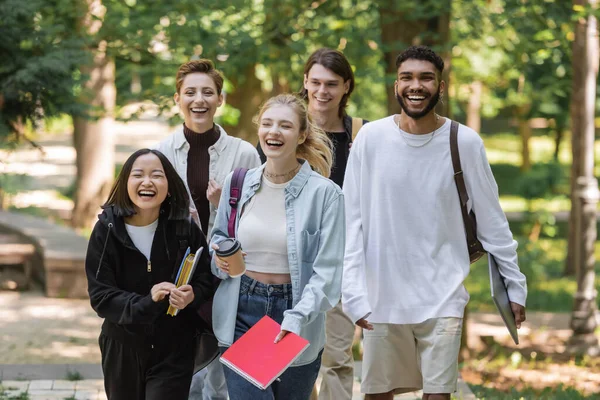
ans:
(316, 230)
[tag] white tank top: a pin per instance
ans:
(262, 230)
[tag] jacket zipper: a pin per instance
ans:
(149, 266)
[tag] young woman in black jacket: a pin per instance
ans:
(132, 260)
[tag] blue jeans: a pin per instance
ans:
(257, 300)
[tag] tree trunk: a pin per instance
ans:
(93, 137)
(585, 73)
(523, 127)
(247, 98)
(474, 107)
(525, 134)
(558, 138)
(577, 114)
(400, 30)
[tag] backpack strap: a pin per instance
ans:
(473, 244)
(183, 231)
(235, 194)
(357, 123)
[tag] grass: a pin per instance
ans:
(6, 396)
(548, 289)
(73, 375)
(557, 393)
(504, 154)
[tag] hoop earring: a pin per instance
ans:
(442, 98)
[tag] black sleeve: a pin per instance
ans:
(107, 299)
(202, 281)
(261, 153)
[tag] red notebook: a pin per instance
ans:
(255, 357)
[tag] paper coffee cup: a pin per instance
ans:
(230, 250)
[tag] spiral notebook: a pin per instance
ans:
(256, 358)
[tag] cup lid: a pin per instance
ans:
(228, 247)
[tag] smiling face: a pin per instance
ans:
(325, 89)
(147, 184)
(418, 87)
(279, 133)
(198, 100)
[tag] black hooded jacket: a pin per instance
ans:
(120, 279)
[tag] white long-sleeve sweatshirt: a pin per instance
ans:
(406, 253)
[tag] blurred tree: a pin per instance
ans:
(408, 23)
(584, 198)
(520, 52)
(39, 59)
(93, 134)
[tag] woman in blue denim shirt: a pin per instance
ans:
(292, 229)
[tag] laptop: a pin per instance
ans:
(500, 297)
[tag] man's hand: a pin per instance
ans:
(161, 290)
(181, 297)
(213, 192)
(363, 323)
(519, 313)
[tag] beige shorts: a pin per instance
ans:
(405, 358)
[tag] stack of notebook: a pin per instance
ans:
(185, 273)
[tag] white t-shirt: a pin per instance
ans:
(142, 237)
(262, 230)
(406, 253)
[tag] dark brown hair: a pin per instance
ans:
(177, 204)
(421, 53)
(203, 66)
(335, 61)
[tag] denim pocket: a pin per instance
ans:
(310, 246)
(449, 326)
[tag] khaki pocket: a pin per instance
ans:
(449, 326)
(379, 330)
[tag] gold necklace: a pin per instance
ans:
(289, 173)
(437, 118)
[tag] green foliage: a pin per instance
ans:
(557, 393)
(6, 396)
(273, 38)
(73, 375)
(520, 50)
(541, 181)
(39, 55)
(543, 264)
(14, 183)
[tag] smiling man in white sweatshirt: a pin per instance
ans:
(406, 252)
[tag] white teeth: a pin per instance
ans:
(274, 143)
(196, 109)
(416, 98)
(322, 100)
(146, 193)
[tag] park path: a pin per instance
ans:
(45, 342)
(53, 171)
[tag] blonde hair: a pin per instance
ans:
(317, 148)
